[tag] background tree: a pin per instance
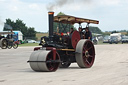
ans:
(114, 32)
(31, 33)
(8, 25)
(95, 30)
(19, 25)
(127, 33)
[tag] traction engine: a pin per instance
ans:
(59, 50)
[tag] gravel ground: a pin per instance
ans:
(110, 68)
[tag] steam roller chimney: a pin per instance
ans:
(51, 19)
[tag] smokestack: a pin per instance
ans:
(51, 19)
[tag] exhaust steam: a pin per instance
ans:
(61, 3)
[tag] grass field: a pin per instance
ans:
(39, 35)
(29, 44)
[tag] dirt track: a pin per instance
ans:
(110, 68)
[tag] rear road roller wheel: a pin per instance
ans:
(64, 65)
(85, 53)
(3, 43)
(44, 61)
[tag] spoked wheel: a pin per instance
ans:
(64, 65)
(15, 45)
(3, 43)
(85, 53)
(9, 45)
(42, 60)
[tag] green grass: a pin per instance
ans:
(39, 35)
(29, 44)
(101, 42)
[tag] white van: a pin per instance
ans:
(115, 38)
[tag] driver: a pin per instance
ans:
(81, 33)
(71, 31)
(88, 34)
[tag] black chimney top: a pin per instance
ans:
(51, 20)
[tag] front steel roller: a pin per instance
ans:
(85, 53)
(42, 60)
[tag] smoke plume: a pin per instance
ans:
(60, 3)
(57, 3)
(7, 26)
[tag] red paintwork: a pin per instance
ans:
(75, 38)
(88, 61)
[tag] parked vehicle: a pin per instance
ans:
(106, 39)
(18, 36)
(117, 35)
(31, 41)
(114, 39)
(124, 39)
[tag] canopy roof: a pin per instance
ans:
(67, 19)
(6, 33)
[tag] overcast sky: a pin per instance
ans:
(112, 14)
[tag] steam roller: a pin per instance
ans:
(60, 50)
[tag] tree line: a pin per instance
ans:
(19, 25)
